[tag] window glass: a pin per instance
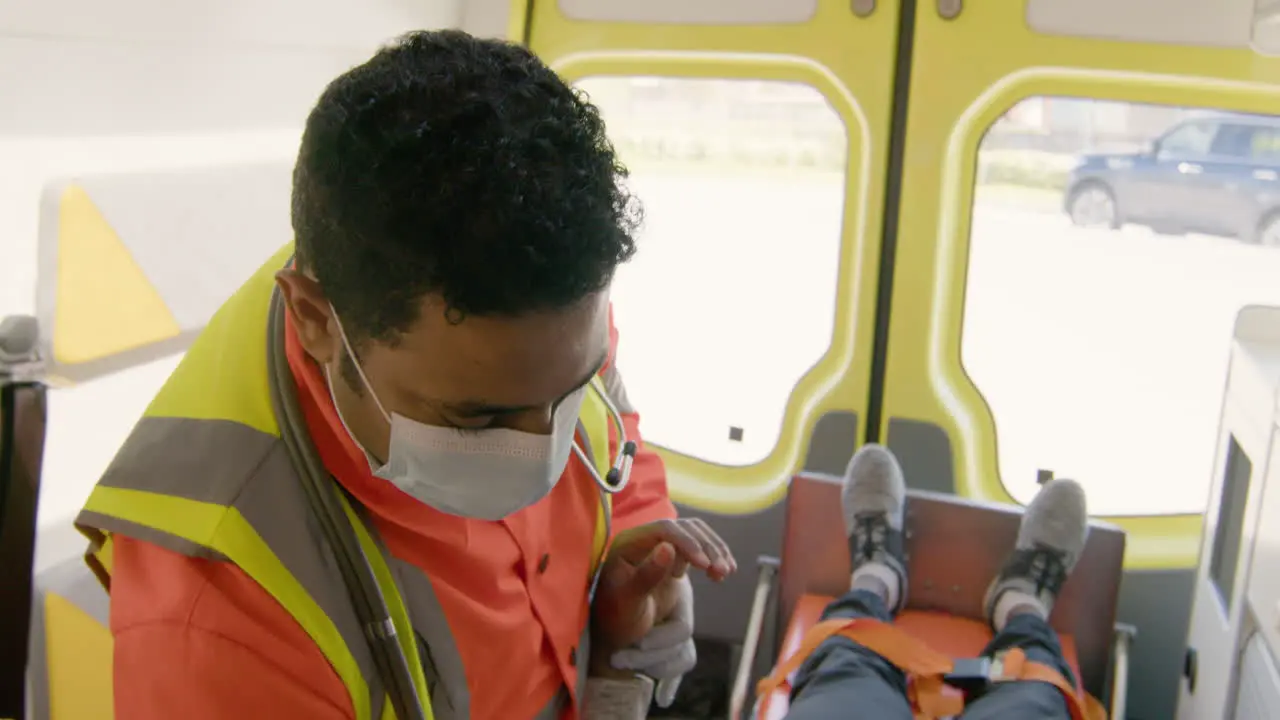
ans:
(1265, 145)
(1256, 140)
(1102, 292)
(1224, 557)
(1234, 141)
(731, 296)
(1189, 140)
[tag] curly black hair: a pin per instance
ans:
(461, 167)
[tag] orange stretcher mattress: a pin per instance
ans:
(954, 636)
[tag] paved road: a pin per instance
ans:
(1101, 353)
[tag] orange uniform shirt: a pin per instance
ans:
(198, 639)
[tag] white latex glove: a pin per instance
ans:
(667, 652)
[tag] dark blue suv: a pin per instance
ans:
(1218, 175)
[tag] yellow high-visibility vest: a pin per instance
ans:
(205, 473)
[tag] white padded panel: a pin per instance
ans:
(1266, 27)
(1184, 22)
(486, 18)
(195, 233)
(692, 12)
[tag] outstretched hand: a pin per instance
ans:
(638, 587)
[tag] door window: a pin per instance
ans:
(1234, 141)
(731, 297)
(1102, 352)
(1190, 140)
(1264, 145)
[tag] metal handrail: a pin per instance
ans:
(1124, 637)
(751, 638)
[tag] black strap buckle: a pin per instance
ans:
(971, 676)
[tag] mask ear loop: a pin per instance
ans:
(374, 464)
(346, 344)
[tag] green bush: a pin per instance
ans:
(1045, 178)
(1030, 169)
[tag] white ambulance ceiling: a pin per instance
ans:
(89, 67)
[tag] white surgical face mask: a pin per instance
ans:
(486, 475)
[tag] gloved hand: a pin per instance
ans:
(667, 652)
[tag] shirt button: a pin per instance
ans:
(542, 564)
(573, 657)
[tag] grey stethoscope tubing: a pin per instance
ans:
(326, 506)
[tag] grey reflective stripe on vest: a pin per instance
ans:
(73, 581)
(441, 661)
(226, 463)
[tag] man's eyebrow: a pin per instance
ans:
(479, 408)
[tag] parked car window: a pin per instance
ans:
(1254, 143)
(1265, 145)
(1191, 139)
(1235, 141)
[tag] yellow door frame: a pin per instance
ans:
(961, 81)
(830, 52)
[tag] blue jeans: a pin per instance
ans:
(842, 680)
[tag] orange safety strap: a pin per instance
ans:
(927, 691)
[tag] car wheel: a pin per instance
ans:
(1269, 231)
(1093, 205)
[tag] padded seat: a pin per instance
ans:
(955, 636)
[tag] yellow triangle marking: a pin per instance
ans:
(105, 304)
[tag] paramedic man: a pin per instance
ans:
(459, 215)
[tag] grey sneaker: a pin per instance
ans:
(1052, 536)
(874, 499)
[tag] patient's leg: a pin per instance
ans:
(842, 680)
(1052, 536)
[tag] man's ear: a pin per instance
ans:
(311, 314)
